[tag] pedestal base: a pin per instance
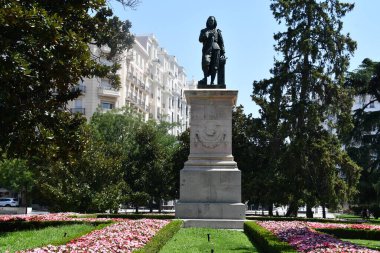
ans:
(214, 223)
(193, 210)
(210, 182)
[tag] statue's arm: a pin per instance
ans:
(221, 42)
(202, 36)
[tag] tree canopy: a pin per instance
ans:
(363, 142)
(305, 106)
(44, 48)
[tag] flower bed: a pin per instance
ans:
(303, 237)
(50, 217)
(317, 225)
(123, 236)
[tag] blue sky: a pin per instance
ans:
(247, 27)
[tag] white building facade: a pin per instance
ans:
(152, 83)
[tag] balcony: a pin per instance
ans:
(108, 91)
(78, 110)
(81, 88)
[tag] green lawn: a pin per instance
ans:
(365, 243)
(356, 218)
(196, 240)
(27, 239)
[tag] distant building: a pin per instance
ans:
(152, 83)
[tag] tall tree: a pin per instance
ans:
(44, 48)
(150, 167)
(363, 143)
(16, 176)
(305, 97)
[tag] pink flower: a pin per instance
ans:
(303, 237)
(123, 236)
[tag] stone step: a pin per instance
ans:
(213, 223)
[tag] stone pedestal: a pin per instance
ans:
(210, 182)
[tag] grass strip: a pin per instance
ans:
(371, 244)
(349, 233)
(265, 240)
(161, 238)
(29, 239)
(193, 240)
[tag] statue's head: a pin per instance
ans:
(211, 22)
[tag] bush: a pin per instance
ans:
(10, 226)
(348, 233)
(375, 210)
(265, 240)
(272, 218)
(161, 238)
(138, 216)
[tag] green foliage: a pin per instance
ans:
(15, 174)
(137, 216)
(161, 238)
(282, 218)
(371, 244)
(45, 52)
(22, 240)
(91, 180)
(265, 240)
(363, 142)
(364, 234)
(149, 168)
(180, 156)
(251, 152)
(305, 107)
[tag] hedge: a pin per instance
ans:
(349, 233)
(276, 218)
(137, 216)
(161, 238)
(265, 240)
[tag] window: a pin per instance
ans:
(105, 83)
(107, 105)
(78, 103)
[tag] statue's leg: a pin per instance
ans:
(213, 77)
(214, 64)
(206, 61)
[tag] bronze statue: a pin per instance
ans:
(213, 58)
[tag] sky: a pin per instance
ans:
(247, 27)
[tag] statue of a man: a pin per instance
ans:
(212, 51)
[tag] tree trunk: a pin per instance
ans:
(324, 211)
(151, 205)
(292, 210)
(270, 209)
(24, 194)
(309, 212)
(159, 206)
(137, 209)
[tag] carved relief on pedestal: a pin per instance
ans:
(210, 135)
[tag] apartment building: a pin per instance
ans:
(152, 83)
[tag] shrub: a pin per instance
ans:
(375, 210)
(272, 218)
(138, 216)
(161, 238)
(265, 240)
